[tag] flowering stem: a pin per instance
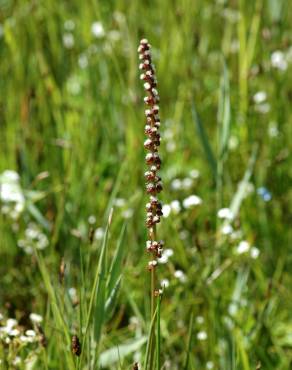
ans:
(153, 180)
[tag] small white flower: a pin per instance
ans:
(16, 361)
(10, 323)
(183, 234)
(30, 333)
(202, 335)
(260, 97)
(119, 202)
(128, 213)
(72, 293)
(273, 129)
(175, 206)
(226, 229)
(36, 318)
(210, 365)
(187, 183)
(233, 142)
(194, 174)
(68, 40)
(166, 210)
(92, 219)
(164, 283)
(97, 29)
(83, 61)
(254, 252)
(170, 146)
(114, 35)
(168, 252)
(200, 320)
(14, 332)
(10, 176)
(69, 25)
(176, 184)
(225, 213)
(191, 201)
(243, 247)
(278, 60)
(180, 275)
(163, 259)
(99, 233)
(263, 108)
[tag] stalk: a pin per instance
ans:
(153, 182)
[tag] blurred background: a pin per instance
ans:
(71, 135)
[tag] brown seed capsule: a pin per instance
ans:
(62, 271)
(150, 158)
(136, 366)
(149, 175)
(76, 346)
(156, 219)
(149, 144)
(150, 188)
(147, 129)
(149, 222)
(159, 187)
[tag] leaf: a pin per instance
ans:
(205, 142)
(116, 266)
(224, 112)
(116, 353)
(241, 191)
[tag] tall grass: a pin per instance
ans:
(70, 126)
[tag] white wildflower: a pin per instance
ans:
(209, 365)
(99, 233)
(176, 184)
(35, 318)
(91, 219)
(68, 40)
(180, 275)
(202, 335)
(225, 213)
(97, 29)
(187, 183)
(279, 61)
(170, 146)
(243, 247)
(69, 25)
(168, 252)
(194, 174)
(83, 61)
(254, 252)
(119, 202)
(30, 333)
(128, 213)
(166, 210)
(260, 97)
(200, 320)
(191, 201)
(263, 108)
(164, 283)
(175, 206)
(226, 229)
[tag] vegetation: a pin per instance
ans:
(75, 287)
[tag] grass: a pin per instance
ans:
(71, 126)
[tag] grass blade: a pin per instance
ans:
(205, 142)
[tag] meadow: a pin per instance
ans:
(75, 285)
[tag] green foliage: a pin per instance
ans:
(71, 126)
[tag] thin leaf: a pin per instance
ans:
(112, 355)
(205, 142)
(116, 266)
